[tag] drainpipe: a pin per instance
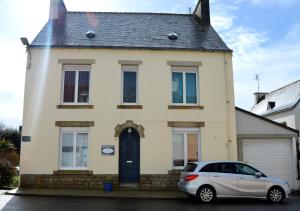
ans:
(298, 156)
(229, 141)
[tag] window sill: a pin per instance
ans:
(75, 106)
(130, 107)
(186, 107)
(73, 172)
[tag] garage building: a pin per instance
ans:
(271, 147)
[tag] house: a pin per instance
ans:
(127, 97)
(269, 146)
(281, 105)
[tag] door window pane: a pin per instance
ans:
(228, 168)
(129, 87)
(177, 87)
(191, 93)
(178, 149)
(214, 167)
(83, 86)
(67, 150)
(81, 149)
(69, 86)
(192, 147)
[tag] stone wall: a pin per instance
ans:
(88, 180)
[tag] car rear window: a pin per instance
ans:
(190, 167)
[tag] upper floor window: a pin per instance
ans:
(184, 86)
(130, 84)
(76, 83)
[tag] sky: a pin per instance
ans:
(264, 35)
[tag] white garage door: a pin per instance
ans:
(272, 156)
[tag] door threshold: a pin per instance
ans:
(129, 185)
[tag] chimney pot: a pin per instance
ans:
(259, 96)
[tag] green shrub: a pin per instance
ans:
(7, 172)
(8, 161)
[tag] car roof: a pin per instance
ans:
(216, 161)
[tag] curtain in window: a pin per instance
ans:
(191, 93)
(192, 147)
(67, 150)
(178, 149)
(129, 87)
(83, 86)
(81, 149)
(69, 86)
(177, 87)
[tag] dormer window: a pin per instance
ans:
(271, 105)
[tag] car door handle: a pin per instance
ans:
(216, 176)
(129, 161)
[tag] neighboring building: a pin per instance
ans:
(130, 97)
(281, 105)
(268, 145)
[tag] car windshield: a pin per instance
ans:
(190, 167)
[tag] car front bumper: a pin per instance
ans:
(287, 191)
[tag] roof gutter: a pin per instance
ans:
(126, 47)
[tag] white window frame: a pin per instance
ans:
(184, 87)
(186, 131)
(76, 88)
(137, 85)
(74, 131)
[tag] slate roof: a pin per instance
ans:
(285, 98)
(130, 30)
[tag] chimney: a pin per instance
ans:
(57, 10)
(202, 11)
(259, 96)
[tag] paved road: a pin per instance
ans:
(27, 203)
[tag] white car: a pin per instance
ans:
(218, 179)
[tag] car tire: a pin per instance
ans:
(275, 195)
(206, 194)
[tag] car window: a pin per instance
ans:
(227, 168)
(190, 167)
(213, 167)
(245, 169)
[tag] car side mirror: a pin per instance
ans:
(258, 174)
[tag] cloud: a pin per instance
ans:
(285, 3)
(276, 61)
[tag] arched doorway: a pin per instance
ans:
(129, 156)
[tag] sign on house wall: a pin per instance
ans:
(108, 150)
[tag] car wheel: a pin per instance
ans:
(206, 194)
(275, 195)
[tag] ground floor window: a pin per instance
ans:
(185, 146)
(73, 148)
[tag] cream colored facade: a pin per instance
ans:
(43, 94)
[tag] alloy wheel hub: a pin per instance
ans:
(206, 195)
(275, 195)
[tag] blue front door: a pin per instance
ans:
(129, 155)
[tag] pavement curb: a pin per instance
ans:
(107, 195)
